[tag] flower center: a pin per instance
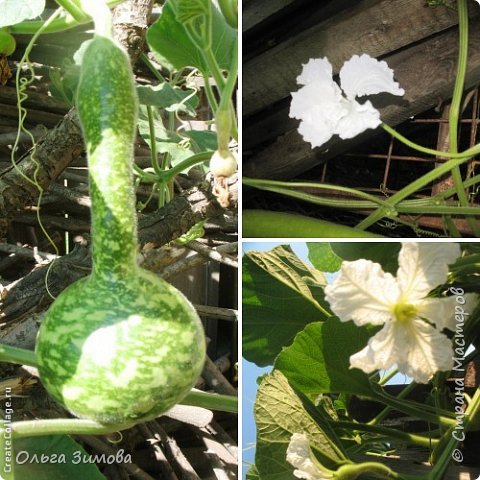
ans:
(404, 312)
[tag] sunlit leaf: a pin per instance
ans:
(323, 257)
(279, 413)
(318, 361)
(175, 50)
(16, 11)
(280, 296)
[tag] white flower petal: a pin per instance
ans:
(317, 71)
(424, 266)
(380, 352)
(363, 292)
(417, 349)
(319, 108)
(357, 119)
(448, 312)
(425, 352)
(364, 75)
(300, 455)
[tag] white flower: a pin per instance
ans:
(364, 293)
(322, 108)
(300, 455)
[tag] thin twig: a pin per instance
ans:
(25, 252)
(102, 447)
(164, 464)
(70, 195)
(215, 254)
(215, 378)
(190, 262)
(175, 453)
(218, 313)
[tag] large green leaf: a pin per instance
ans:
(386, 254)
(168, 97)
(64, 457)
(169, 41)
(16, 11)
(323, 257)
(280, 296)
(279, 413)
(318, 361)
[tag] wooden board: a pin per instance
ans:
(255, 11)
(376, 27)
(427, 73)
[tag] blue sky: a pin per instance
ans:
(250, 372)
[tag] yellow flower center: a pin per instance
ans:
(404, 312)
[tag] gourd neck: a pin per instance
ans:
(107, 107)
(114, 228)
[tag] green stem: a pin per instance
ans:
(378, 470)
(446, 456)
(213, 401)
(456, 106)
(285, 189)
(17, 355)
(471, 152)
(151, 67)
(226, 99)
(409, 190)
(77, 426)
(214, 69)
(418, 206)
(145, 177)
(212, 101)
(167, 175)
(153, 141)
(99, 11)
(451, 191)
(388, 377)
(411, 409)
(73, 9)
(59, 25)
(62, 426)
(388, 432)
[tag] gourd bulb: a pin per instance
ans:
(7, 43)
(223, 163)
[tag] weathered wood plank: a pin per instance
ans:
(376, 27)
(427, 73)
(255, 11)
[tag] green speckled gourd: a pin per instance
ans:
(120, 345)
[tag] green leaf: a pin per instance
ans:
(279, 413)
(252, 473)
(202, 140)
(280, 296)
(386, 254)
(173, 48)
(61, 450)
(179, 147)
(168, 97)
(323, 257)
(318, 361)
(16, 11)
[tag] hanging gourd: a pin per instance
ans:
(120, 345)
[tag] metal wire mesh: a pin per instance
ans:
(384, 165)
(391, 165)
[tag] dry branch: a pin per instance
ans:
(65, 142)
(426, 71)
(158, 228)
